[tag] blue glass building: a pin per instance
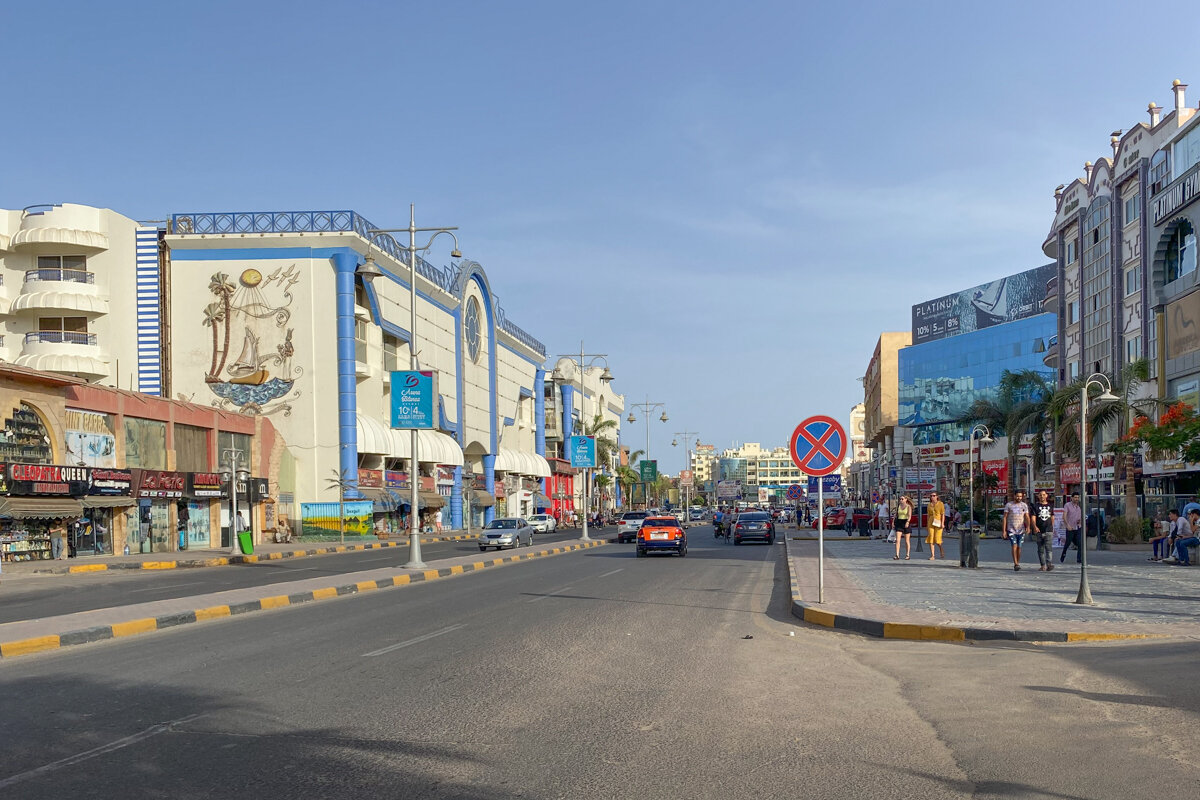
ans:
(941, 379)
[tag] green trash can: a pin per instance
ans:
(246, 542)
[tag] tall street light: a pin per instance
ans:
(586, 360)
(687, 450)
(1101, 380)
(646, 408)
(972, 452)
(414, 477)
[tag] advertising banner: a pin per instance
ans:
(921, 479)
(1015, 297)
(649, 470)
(686, 478)
(729, 489)
(412, 399)
(322, 518)
(582, 451)
(999, 468)
(832, 486)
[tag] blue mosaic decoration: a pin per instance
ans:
(244, 394)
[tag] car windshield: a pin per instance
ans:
(757, 516)
(661, 522)
(634, 515)
(502, 523)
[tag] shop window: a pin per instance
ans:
(145, 443)
(240, 442)
(1181, 252)
(191, 449)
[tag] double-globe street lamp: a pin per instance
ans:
(646, 408)
(586, 360)
(687, 437)
(1100, 380)
(971, 533)
(369, 271)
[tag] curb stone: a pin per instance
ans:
(133, 627)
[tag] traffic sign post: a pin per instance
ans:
(818, 447)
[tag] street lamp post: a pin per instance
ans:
(687, 460)
(414, 476)
(231, 456)
(971, 452)
(1101, 380)
(646, 408)
(586, 360)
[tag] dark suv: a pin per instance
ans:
(753, 525)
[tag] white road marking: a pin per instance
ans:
(550, 594)
(408, 642)
(614, 572)
(154, 730)
(164, 588)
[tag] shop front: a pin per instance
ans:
(38, 502)
(476, 500)
(197, 510)
(153, 522)
(110, 495)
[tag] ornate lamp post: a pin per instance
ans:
(586, 360)
(687, 449)
(972, 449)
(1101, 380)
(646, 408)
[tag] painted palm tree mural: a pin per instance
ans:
(252, 316)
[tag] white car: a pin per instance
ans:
(510, 532)
(543, 523)
(629, 524)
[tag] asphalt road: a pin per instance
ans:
(592, 675)
(37, 596)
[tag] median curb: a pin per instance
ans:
(140, 625)
(815, 614)
(224, 561)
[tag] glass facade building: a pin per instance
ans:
(940, 380)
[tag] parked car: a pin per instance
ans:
(661, 535)
(542, 523)
(628, 525)
(753, 525)
(510, 532)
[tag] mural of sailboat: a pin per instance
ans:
(991, 304)
(248, 370)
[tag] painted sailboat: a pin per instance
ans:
(247, 370)
(991, 304)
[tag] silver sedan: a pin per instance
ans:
(510, 532)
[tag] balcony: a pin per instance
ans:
(1050, 303)
(66, 352)
(52, 227)
(1050, 359)
(62, 290)
(4, 304)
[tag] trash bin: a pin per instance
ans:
(864, 527)
(246, 542)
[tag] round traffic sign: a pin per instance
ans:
(794, 492)
(818, 445)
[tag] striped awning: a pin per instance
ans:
(40, 508)
(118, 501)
(522, 463)
(373, 436)
(433, 447)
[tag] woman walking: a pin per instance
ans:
(903, 516)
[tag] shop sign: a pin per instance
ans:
(1183, 325)
(395, 480)
(159, 483)
(203, 484)
(259, 489)
(428, 484)
(529, 484)
(445, 475)
(931, 451)
(1177, 195)
(370, 479)
(111, 482)
(1069, 473)
(999, 468)
(45, 479)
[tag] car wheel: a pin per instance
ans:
(641, 553)
(483, 549)
(770, 540)
(737, 540)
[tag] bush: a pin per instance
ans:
(1123, 530)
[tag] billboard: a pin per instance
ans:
(1015, 297)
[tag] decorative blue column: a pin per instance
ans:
(489, 483)
(456, 500)
(344, 265)
(539, 416)
(568, 411)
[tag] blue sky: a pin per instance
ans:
(730, 200)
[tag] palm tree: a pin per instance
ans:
(1029, 394)
(213, 314)
(223, 289)
(1101, 416)
(342, 483)
(602, 482)
(627, 478)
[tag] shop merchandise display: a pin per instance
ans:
(18, 544)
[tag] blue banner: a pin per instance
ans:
(412, 399)
(832, 485)
(582, 451)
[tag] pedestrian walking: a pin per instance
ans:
(881, 516)
(1043, 531)
(1073, 522)
(1016, 524)
(904, 511)
(437, 521)
(936, 511)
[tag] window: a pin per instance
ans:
(360, 341)
(1073, 371)
(391, 349)
(1181, 252)
(191, 448)
(1133, 349)
(1071, 252)
(66, 330)
(471, 330)
(1133, 209)
(1133, 280)
(61, 268)
(1097, 286)
(1160, 172)
(1072, 312)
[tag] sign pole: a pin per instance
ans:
(820, 540)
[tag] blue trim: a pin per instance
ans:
(508, 422)
(523, 392)
(539, 413)
(522, 356)
(395, 330)
(345, 262)
(444, 423)
(568, 410)
(256, 253)
(489, 483)
(456, 501)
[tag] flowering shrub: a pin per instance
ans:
(1177, 434)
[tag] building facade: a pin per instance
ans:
(574, 400)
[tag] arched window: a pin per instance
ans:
(1181, 251)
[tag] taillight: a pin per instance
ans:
(740, 526)
(679, 535)
(641, 534)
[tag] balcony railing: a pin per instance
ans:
(69, 275)
(60, 337)
(333, 222)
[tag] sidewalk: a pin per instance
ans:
(267, 551)
(866, 591)
(50, 633)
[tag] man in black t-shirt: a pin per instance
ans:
(1043, 531)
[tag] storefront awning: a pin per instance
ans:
(481, 499)
(107, 502)
(428, 499)
(384, 499)
(433, 447)
(522, 463)
(373, 436)
(40, 507)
